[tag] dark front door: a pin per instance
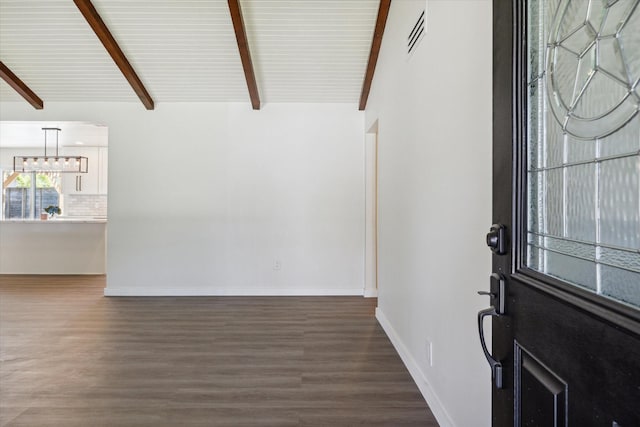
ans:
(565, 289)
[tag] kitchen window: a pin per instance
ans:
(25, 195)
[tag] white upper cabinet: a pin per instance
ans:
(83, 183)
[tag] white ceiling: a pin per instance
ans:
(30, 134)
(314, 50)
(185, 50)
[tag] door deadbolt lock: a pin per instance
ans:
(497, 239)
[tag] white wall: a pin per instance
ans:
(434, 123)
(204, 198)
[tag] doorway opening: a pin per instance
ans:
(53, 213)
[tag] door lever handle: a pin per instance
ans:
(497, 293)
(496, 366)
(492, 295)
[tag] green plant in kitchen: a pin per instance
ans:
(53, 210)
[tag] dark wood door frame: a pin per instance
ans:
(509, 65)
(504, 103)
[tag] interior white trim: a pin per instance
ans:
(371, 293)
(438, 410)
(127, 291)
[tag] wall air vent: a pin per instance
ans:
(417, 33)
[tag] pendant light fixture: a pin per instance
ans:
(51, 162)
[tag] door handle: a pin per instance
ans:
(496, 366)
(497, 292)
(498, 300)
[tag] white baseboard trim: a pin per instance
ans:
(371, 293)
(218, 292)
(57, 272)
(418, 376)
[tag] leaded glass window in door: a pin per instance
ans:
(584, 144)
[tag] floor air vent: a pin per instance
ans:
(417, 33)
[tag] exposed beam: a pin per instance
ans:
(98, 26)
(19, 86)
(383, 12)
(245, 55)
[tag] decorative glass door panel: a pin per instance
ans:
(583, 163)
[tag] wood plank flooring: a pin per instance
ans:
(71, 357)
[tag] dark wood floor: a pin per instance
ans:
(71, 357)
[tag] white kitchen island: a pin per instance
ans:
(58, 246)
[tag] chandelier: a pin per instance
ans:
(51, 162)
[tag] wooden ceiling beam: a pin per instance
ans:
(100, 29)
(245, 55)
(20, 87)
(381, 22)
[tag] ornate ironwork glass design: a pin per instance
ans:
(584, 144)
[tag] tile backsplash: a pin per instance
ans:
(85, 205)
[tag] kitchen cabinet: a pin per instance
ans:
(83, 183)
